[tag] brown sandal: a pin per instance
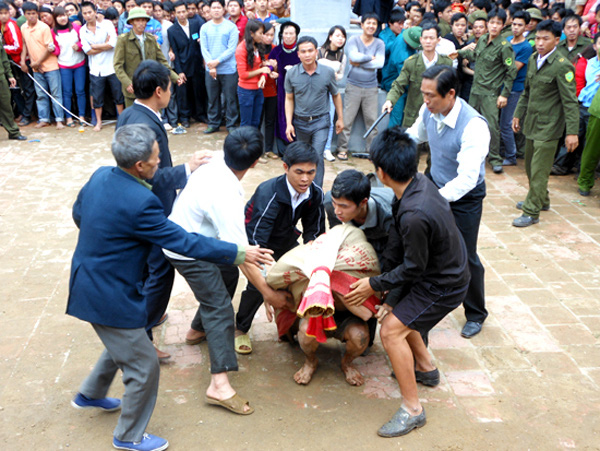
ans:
(235, 404)
(343, 156)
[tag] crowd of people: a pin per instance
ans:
(471, 83)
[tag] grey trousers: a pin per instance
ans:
(215, 310)
(225, 84)
(315, 133)
(131, 351)
(356, 99)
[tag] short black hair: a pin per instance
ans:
(111, 13)
(89, 5)
(141, 2)
(429, 25)
(596, 37)
(498, 14)
(412, 3)
(429, 16)
(570, 17)
(220, 2)
(551, 26)
(29, 6)
(514, 7)
(242, 147)
(299, 152)
(439, 6)
(395, 153)
(4, 7)
(397, 15)
(522, 14)
(456, 17)
(445, 76)
(503, 4)
(485, 5)
(367, 16)
(305, 39)
(180, 3)
(148, 76)
(352, 185)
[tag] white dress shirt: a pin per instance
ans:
(542, 59)
(101, 64)
(475, 144)
(296, 197)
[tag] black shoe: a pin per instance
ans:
(402, 423)
(497, 169)
(583, 193)
(471, 329)
(519, 206)
(525, 221)
(428, 378)
(186, 124)
(210, 130)
(559, 170)
(18, 138)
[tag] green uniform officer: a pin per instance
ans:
(410, 76)
(574, 44)
(6, 113)
(591, 151)
(547, 105)
(536, 18)
(495, 71)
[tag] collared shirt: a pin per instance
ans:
(474, 149)
(542, 59)
(37, 39)
(211, 204)
(101, 64)
(142, 39)
(310, 91)
(428, 63)
(297, 198)
(186, 28)
(142, 182)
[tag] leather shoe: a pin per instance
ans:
(525, 221)
(497, 169)
(520, 206)
(428, 378)
(470, 329)
(583, 193)
(18, 138)
(402, 423)
(162, 355)
(210, 130)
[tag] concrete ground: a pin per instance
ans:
(530, 380)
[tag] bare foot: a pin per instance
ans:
(304, 375)
(98, 127)
(353, 376)
(59, 125)
(41, 125)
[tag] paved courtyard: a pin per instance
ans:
(530, 380)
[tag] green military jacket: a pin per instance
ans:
(410, 79)
(531, 38)
(594, 108)
(5, 70)
(549, 100)
(445, 27)
(128, 56)
(506, 31)
(582, 42)
(495, 68)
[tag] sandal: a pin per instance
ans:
(234, 404)
(243, 340)
(343, 156)
(70, 124)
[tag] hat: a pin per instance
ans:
(477, 15)
(535, 14)
(137, 13)
(458, 8)
(412, 37)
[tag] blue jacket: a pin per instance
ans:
(119, 221)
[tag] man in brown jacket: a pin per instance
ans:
(132, 48)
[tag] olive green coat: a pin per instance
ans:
(128, 56)
(409, 81)
(549, 102)
(5, 69)
(495, 68)
(582, 42)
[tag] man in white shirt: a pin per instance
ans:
(459, 139)
(98, 40)
(212, 204)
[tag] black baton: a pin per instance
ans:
(377, 121)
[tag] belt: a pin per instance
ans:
(309, 118)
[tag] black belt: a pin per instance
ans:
(309, 118)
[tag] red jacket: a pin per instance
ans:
(13, 40)
(580, 68)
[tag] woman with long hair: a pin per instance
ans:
(71, 62)
(286, 56)
(250, 65)
(269, 115)
(332, 54)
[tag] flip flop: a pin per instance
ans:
(195, 341)
(343, 156)
(243, 340)
(235, 404)
(70, 125)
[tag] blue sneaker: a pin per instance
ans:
(149, 443)
(106, 404)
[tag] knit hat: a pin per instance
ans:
(412, 37)
(137, 13)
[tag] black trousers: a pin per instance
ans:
(192, 98)
(157, 287)
(467, 214)
(269, 119)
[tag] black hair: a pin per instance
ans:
(522, 14)
(395, 153)
(485, 5)
(430, 25)
(242, 147)
(410, 4)
(570, 17)
(330, 33)
(148, 76)
(4, 7)
(456, 17)
(562, 13)
(551, 26)
(431, 17)
(167, 6)
(220, 2)
(397, 15)
(122, 2)
(75, 5)
(141, 2)
(498, 14)
(299, 152)
(251, 27)
(29, 6)
(180, 3)
(503, 4)
(596, 37)
(159, 4)
(239, 2)
(305, 39)
(514, 7)
(352, 185)
(368, 16)
(445, 76)
(111, 13)
(89, 5)
(59, 11)
(440, 6)
(285, 25)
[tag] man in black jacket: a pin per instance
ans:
(425, 270)
(271, 217)
(152, 88)
(184, 38)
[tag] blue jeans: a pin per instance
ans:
(506, 132)
(51, 83)
(251, 102)
(77, 75)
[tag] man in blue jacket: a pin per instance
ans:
(119, 220)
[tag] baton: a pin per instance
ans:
(377, 121)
